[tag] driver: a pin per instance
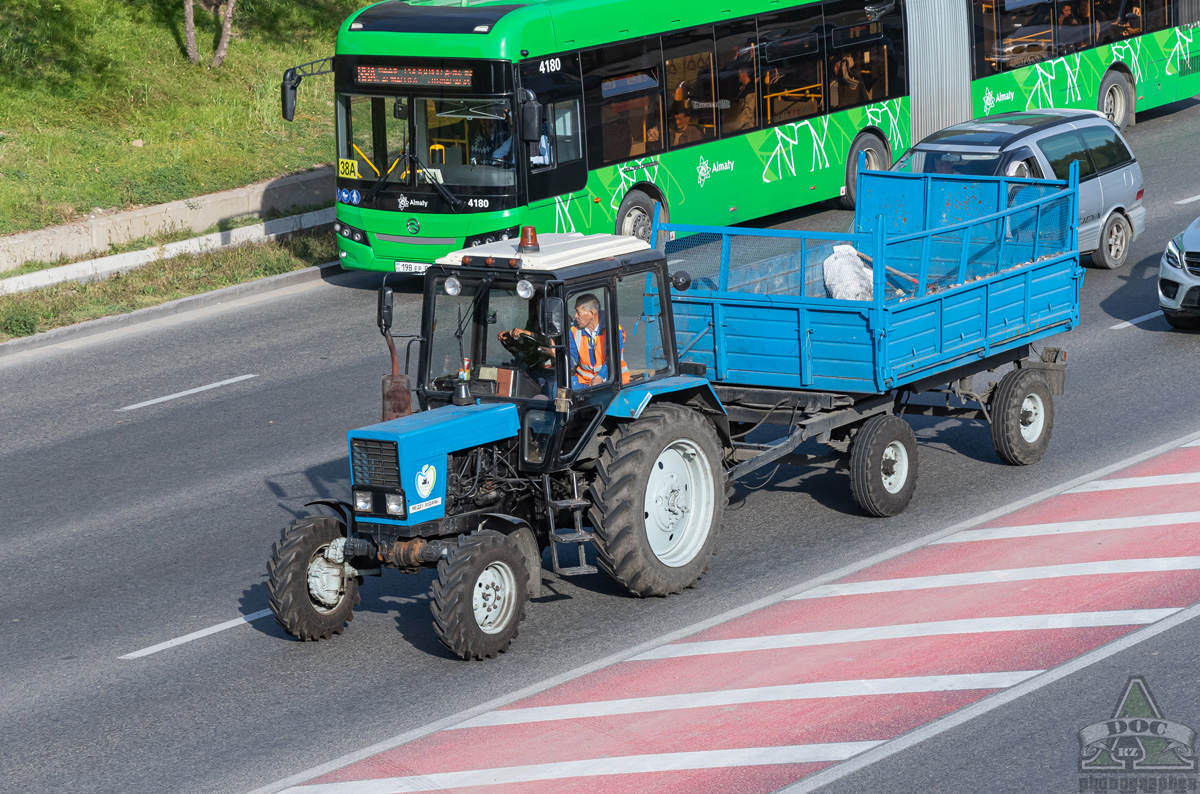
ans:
(589, 344)
(532, 349)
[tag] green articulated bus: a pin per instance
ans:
(458, 124)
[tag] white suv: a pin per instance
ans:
(1179, 278)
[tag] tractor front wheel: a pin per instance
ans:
(310, 597)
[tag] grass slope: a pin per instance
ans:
(82, 80)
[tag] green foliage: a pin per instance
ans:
(19, 320)
(25, 313)
(82, 80)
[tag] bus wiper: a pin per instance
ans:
(454, 201)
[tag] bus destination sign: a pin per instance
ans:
(393, 75)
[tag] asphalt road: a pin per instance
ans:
(129, 528)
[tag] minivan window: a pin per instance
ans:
(1108, 151)
(1062, 150)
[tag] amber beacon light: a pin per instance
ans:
(529, 243)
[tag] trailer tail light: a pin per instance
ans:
(1141, 192)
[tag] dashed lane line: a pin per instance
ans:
(1136, 320)
(196, 390)
(195, 635)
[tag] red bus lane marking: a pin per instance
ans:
(843, 671)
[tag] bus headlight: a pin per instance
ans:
(491, 237)
(350, 233)
(453, 287)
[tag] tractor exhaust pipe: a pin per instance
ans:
(397, 389)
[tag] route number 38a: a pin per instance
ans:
(550, 65)
(348, 169)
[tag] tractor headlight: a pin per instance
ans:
(453, 287)
(395, 504)
(363, 501)
(524, 289)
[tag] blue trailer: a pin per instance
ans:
(597, 391)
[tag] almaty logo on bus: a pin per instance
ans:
(990, 99)
(707, 169)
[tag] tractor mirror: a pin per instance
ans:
(681, 280)
(385, 309)
(551, 317)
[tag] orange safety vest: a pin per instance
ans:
(593, 356)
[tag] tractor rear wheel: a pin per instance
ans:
(658, 500)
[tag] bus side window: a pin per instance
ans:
(623, 90)
(737, 77)
(689, 65)
(792, 72)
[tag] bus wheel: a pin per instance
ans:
(1116, 100)
(883, 466)
(658, 501)
(878, 159)
(636, 215)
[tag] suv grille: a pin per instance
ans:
(1193, 263)
(375, 463)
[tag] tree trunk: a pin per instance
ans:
(226, 30)
(189, 27)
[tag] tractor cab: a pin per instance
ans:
(557, 329)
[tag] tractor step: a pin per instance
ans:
(570, 504)
(579, 538)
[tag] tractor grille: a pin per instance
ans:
(375, 463)
(1193, 263)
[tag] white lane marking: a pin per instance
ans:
(989, 703)
(938, 628)
(1188, 200)
(508, 698)
(596, 767)
(195, 635)
(1149, 565)
(196, 390)
(1066, 527)
(765, 694)
(1136, 320)
(1152, 481)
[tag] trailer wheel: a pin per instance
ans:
(479, 596)
(310, 597)
(1022, 417)
(658, 501)
(883, 466)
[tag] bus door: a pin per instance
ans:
(555, 163)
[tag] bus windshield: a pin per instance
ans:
(458, 142)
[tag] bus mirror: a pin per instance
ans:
(400, 110)
(681, 280)
(550, 320)
(385, 309)
(531, 122)
(287, 94)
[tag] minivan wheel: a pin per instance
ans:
(1115, 238)
(1116, 100)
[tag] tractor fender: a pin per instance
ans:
(523, 535)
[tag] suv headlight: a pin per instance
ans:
(1173, 256)
(491, 237)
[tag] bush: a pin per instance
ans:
(19, 320)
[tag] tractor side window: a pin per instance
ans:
(639, 307)
(596, 347)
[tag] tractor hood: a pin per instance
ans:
(423, 440)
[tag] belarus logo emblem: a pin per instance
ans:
(426, 478)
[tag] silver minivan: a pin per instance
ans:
(1042, 144)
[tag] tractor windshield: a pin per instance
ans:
(486, 332)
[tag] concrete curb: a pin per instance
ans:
(95, 269)
(180, 306)
(97, 233)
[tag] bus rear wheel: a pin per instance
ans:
(878, 159)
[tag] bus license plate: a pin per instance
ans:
(411, 267)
